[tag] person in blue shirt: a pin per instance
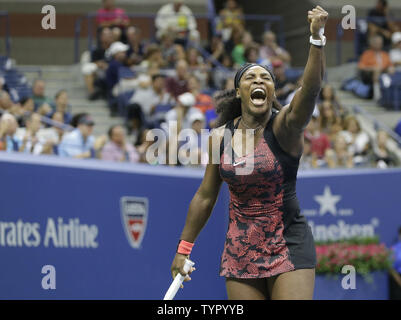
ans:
(79, 143)
(395, 278)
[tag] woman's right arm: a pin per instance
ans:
(200, 208)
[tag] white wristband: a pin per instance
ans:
(319, 43)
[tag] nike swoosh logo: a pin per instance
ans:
(238, 163)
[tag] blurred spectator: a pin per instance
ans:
(327, 93)
(136, 49)
(136, 124)
(197, 66)
(395, 53)
(319, 141)
(94, 67)
(216, 49)
(117, 52)
(52, 135)
(30, 140)
(41, 101)
(62, 106)
(395, 271)
(151, 96)
(179, 84)
(241, 41)
(117, 149)
(328, 120)
(80, 142)
(357, 140)
(153, 59)
(114, 18)
(8, 128)
(373, 63)
(177, 19)
(183, 112)
(382, 157)
(339, 156)
(379, 22)
(203, 102)
(271, 51)
(283, 85)
(308, 159)
(230, 17)
(252, 54)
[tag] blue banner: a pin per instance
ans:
(74, 229)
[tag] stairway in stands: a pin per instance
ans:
(70, 78)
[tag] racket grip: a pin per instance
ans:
(178, 280)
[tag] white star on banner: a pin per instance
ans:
(327, 202)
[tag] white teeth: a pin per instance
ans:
(258, 90)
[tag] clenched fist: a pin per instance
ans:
(317, 18)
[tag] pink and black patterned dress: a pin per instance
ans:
(266, 234)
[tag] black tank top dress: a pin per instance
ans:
(266, 233)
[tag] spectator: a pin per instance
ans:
(136, 124)
(80, 142)
(230, 17)
(319, 141)
(117, 52)
(94, 68)
(117, 149)
(373, 63)
(203, 102)
(53, 135)
(395, 271)
(195, 149)
(111, 17)
(339, 156)
(328, 94)
(153, 59)
(182, 112)
(136, 49)
(62, 106)
(379, 22)
(216, 49)
(242, 41)
(179, 84)
(29, 137)
(283, 85)
(41, 101)
(177, 19)
(395, 53)
(252, 54)
(149, 98)
(356, 139)
(8, 128)
(271, 51)
(382, 157)
(328, 119)
(308, 159)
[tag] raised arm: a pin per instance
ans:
(300, 110)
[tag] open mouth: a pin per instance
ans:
(258, 96)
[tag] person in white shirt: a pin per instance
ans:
(31, 140)
(395, 53)
(177, 18)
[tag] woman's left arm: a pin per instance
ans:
(299, 111)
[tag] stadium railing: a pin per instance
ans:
(4, 16)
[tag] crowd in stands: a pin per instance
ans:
(379, 64)
(172, 78)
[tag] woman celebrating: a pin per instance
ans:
(269, 250)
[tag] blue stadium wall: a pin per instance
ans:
(74, 215)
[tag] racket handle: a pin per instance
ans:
(178, 280)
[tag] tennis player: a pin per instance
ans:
(269, 250)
